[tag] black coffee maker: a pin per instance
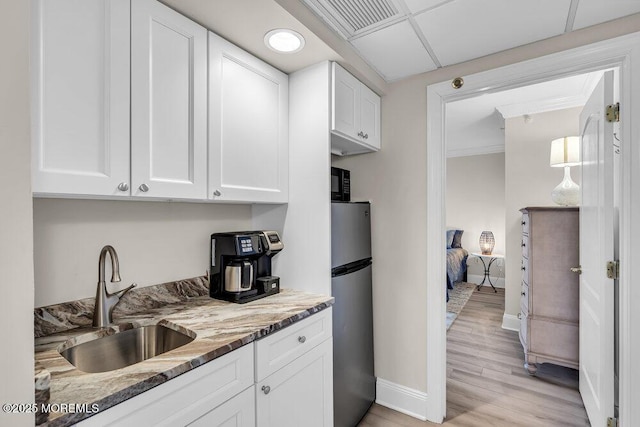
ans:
(241, 265)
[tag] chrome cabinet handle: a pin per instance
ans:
(519, 315)
(577, 270)
(266, 389)
(302, 339)
(123, 186)
(217, 193)
(144, 188)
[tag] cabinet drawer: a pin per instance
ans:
(186, 397)
(525, 245)
(524, 297)
(279, 349)
(525, 224)
(525, 270)
(237, 412)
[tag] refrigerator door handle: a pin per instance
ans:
(350, 268)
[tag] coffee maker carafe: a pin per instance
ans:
(238, 276)
(241, 265)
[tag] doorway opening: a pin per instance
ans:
(597, 57)
(498, 162)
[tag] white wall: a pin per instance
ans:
(16, 236)
(475, 203)
(530, 180)
(395, 179)
(156, 242)
(305, 262)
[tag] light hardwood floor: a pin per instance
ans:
(486, 382)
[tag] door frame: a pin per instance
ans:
(622, 52)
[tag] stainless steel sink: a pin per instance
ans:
(124, 348)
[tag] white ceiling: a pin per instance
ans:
(245, 23)
(476, 125)
(415, 36)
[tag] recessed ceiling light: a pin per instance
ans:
(284, 41)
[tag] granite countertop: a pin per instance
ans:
(220, 327)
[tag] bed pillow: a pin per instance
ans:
(457, 239)
(450, 234)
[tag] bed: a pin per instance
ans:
(456, 259)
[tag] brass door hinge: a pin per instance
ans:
(613, 269)
(612, 422)
(613, 112)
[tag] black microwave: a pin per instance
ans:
(340, 185)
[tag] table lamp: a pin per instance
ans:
(565, 152)
(487, 242)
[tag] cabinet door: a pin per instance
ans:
(248, 127)
(185, 398)
(168, 103)
(370, 117)
(81, 97)
(299, 394)
(345, 102)
(237, 412)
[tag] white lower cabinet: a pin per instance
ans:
(237, 412)
(185, 398)
(293, 387)
(301, 393)
(294, 374)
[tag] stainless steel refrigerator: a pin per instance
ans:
(354, 384)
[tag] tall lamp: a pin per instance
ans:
(565, 152)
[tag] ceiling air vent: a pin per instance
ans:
(351, 17)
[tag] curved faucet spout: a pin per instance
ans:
(105, 301)
(115, 264)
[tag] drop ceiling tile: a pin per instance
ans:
(466, 29)
(416, 6)
(591, 12)
(395, 51)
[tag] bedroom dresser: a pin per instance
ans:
(549, 303)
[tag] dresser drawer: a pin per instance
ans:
(555, 339)
(525, 270)
(524, 243)
(278, 349)
(525, 224)
(524, 298)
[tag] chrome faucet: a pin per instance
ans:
(105, 301)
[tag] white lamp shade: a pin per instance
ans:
(565, 151)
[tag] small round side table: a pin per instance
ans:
(487, 266)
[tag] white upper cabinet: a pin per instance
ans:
(355, 124)
(168, 103)
(248, 127)
(81, 97)
(125, 105)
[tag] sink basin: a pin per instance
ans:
(124, 348)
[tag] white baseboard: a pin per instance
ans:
(402, 399)
(510, 322)
(498, 282)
